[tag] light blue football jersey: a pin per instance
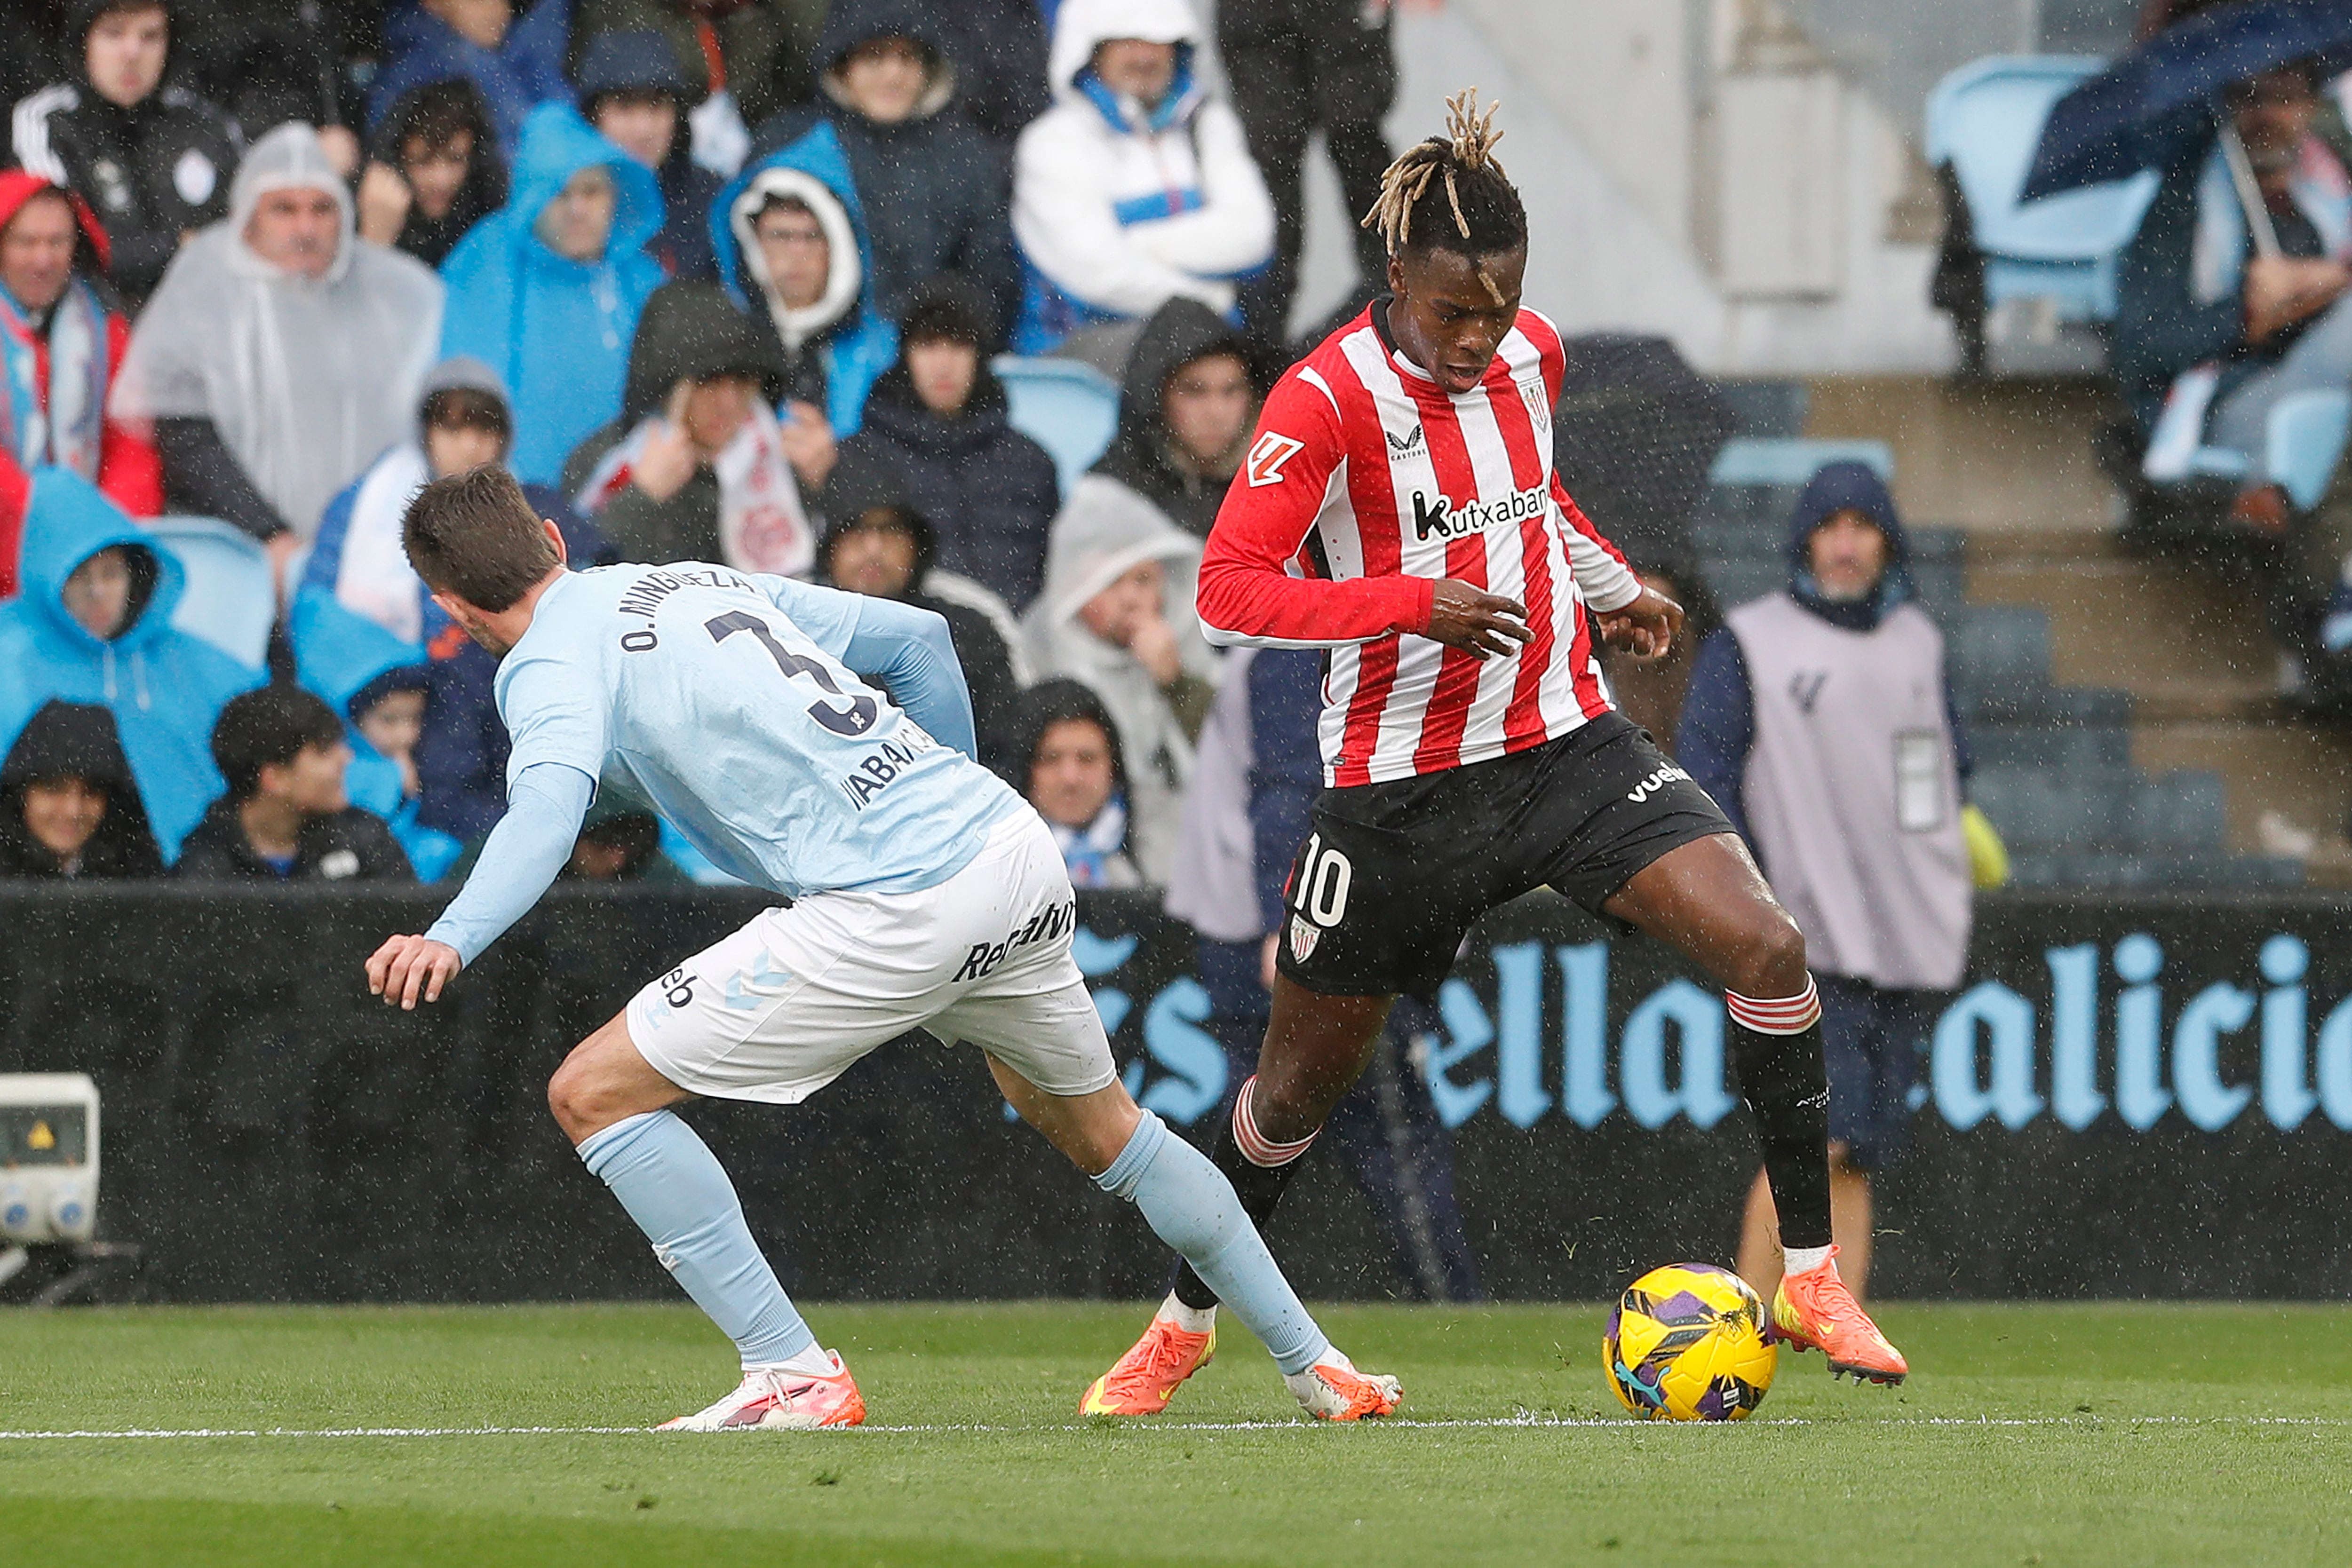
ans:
(722, 700)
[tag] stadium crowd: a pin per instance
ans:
(716, 280)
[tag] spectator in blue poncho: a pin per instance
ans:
(794, 251)
(517, 63)
(547, 289)
(94, 625)
(378, 687)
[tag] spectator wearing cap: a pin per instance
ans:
(94, 625)
(1063, 755)
(879, 542)
(151, 157)
(630, 89)
(1186, 408)
(61, 341)
(282, 352)
(287, 814)
(517, 61)
(696, 467)
(938, 418)
(69, 808)
(932, 186)
(546, 290)
(746, 60)
(1137, 187)
(432, 172)
(793, 249)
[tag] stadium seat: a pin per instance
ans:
(230, 600)
(2305, 433)
(2048, 267)
(1747, 460)
(1069, 408)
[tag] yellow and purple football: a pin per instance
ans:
(1688, 1343)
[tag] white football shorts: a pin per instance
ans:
(783, 1006)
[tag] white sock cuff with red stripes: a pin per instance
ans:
(1783, 1015)
(1255, 1146)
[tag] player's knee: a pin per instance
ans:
(573, 1099)
(1770, 957)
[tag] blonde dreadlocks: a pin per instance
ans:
(1482, 204)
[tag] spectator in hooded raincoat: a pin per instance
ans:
(94, 625)
(1186, 409)
(547, 289)
(792, 249)
(1137, 187)
(932, 187)
(68, 807)
(938, 418)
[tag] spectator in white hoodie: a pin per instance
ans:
(1136, 187)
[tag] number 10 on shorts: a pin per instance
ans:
(1323, 878)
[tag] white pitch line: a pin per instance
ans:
(1488, 1423)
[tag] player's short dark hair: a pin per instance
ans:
(476, 535)
(1449, 193)
(269, 724)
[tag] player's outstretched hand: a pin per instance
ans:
(1647, 628)
(406, 969)
(1463, 615)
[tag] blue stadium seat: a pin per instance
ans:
(230, 600)
(2055, 260)
(1778, 461)
(2306, 432)
(1069, 408)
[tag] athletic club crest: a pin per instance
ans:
(1302, 938)
(1539, 406)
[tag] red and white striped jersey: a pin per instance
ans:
(1364, 485)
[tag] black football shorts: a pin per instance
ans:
(1392, 875)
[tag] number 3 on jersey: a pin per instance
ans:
(853, 719)
(1325, 873)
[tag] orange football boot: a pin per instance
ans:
(1815, 1310)
(1146, 1378)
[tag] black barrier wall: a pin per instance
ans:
(2129, 1097)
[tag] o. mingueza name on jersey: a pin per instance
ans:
(1449, 522)
(645, 595)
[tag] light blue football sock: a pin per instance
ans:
(1192, 1206)
(678, 1192)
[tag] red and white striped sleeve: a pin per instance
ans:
(1600, 567)
(1258, 585)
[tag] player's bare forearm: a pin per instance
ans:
(1647, 628)
(409, 969)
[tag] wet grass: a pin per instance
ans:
(2027, 1435)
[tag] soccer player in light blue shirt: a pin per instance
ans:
(815, 744)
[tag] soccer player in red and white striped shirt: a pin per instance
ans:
(1398, 507)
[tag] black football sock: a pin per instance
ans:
(1782, 1079)
(1260, 1188)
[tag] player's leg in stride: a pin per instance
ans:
(615, 1109)
(1707, 899)
(1130, 1154)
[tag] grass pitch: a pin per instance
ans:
(2027, 1435)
